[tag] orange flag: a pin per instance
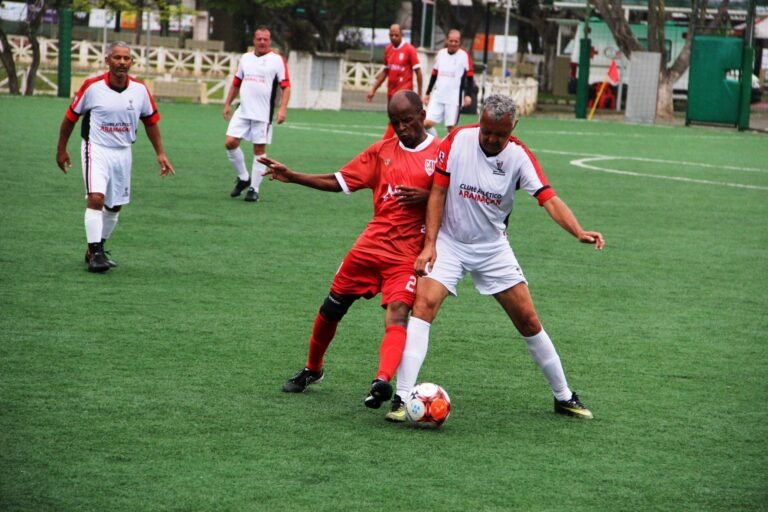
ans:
(613, 72)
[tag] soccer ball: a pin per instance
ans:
(428, 405)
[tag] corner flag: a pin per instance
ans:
(613, 72)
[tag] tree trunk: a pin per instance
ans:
(664, 104)
(8, 63)
(34, 17)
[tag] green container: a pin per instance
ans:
(714, 87)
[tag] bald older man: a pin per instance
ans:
(401, 62)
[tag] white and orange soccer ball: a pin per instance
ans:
(428, 405)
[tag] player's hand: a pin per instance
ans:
(425, 261)
(425, 100)
(165, 166)
(593, 237)
(227, 112)
(467, 101)
(63, 160)
(275, 170)
(410, 195)
(370, 95)
(281, 117)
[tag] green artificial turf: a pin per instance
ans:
(156, 386)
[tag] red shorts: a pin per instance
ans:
(367, 275)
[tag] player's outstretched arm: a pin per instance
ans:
(63, 159)
(562, 214)
(277, 171)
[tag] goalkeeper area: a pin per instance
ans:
(156, 386)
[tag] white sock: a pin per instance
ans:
(432, 131)
(416, 346)
(543, 352)
(256, 169)
(109, 221)
(93, 225)
(237, 159)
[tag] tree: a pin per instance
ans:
(8, 63)
(308, 25)
(612, 12)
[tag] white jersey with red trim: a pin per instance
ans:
(111, 116)
(259, 77)
(481, 189)
(450, 69)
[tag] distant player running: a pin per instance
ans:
(399, 172)
(258, 77)
(112, 105)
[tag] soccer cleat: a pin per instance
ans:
(252, 196)
(98, 262)
(381, 391)
(299, 382)
(573, 407)
(112, 263)
(240, 185)
(396, 412)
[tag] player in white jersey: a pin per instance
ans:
(112, 105)
(478, 170)
(258, 77)
(452, 79)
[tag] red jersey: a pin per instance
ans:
(400, 63)
(396, 231)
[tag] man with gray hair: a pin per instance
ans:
(111, 105)
(479, 168)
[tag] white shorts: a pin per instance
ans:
(107, 171)
(256, 132)
(493, 266)
(439, 112)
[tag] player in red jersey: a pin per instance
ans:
(401, 62)
(113, 104)
(399, 172)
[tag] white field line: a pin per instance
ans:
(582, 162)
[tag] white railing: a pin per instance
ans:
(360, 75)
(525, 92)
(216, 69)
(89, 56)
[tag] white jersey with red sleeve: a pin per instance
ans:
(111, 117)
(259, 76)
(396, 230)
(481, 189)
(450, 69)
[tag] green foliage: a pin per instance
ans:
(157, 385)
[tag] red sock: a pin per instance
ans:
(322, 334)
(390, 132)
(391, 351)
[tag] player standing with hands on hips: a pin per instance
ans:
(258, 76)
(113, 104)
(479, 168)
(399, 173)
